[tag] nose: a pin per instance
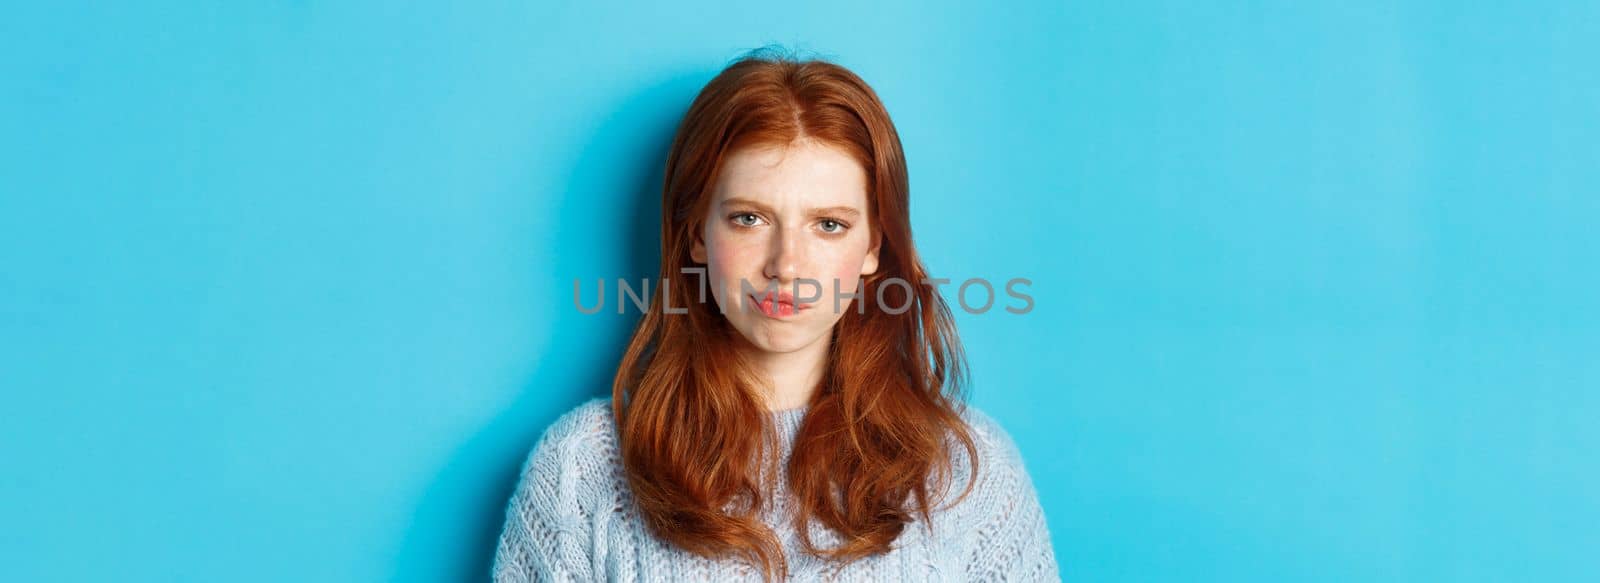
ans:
(787, 255)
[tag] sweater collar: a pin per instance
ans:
(786, 423)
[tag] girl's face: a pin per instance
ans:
(787, 235)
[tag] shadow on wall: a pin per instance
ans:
(455, 528)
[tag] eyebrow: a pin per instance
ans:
(846, 211)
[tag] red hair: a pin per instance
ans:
(883, 421)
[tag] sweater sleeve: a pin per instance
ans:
(1011, 541)
(546, 534)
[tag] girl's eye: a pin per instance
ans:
(832, 226)
(740, 219)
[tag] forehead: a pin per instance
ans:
(803, 171)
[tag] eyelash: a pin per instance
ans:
(842, 226)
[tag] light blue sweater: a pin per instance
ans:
(572, 518)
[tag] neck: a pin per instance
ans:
(792, 377)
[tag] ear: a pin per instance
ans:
(698, 252)
(869, 264)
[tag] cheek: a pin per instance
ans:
(729, 259)
(846, 269)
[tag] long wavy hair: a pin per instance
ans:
(874, 449)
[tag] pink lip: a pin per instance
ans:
(778, 305)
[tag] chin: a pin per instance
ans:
(781, 343)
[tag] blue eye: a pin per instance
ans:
(738, 219)
(837, 226)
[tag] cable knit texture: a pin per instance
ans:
(572, 518)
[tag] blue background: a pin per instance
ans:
(285, 288)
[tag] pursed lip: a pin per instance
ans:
(778, 297)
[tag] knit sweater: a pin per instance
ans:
(572, 518)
